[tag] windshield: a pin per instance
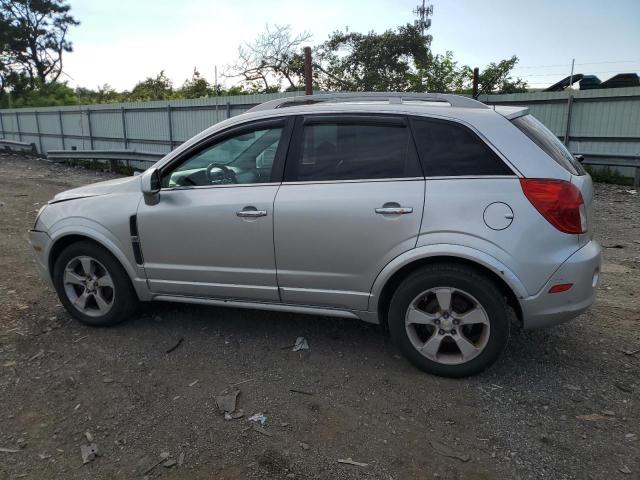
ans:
(547, 141)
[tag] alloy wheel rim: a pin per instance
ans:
(447, 325)
(88, 286)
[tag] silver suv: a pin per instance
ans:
(434, 215)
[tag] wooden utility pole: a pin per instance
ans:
(474, 90)
(308, 76)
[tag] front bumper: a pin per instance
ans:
(39, 242)
(583, 270)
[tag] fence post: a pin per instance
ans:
(170, 127)
(38, 130)
(228, 110)
(568, 126)
(124, 128)
(90, 132)
(18, 123)
(61, 128)
(308, 74)
(2, 126)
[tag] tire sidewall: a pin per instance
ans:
(469, 281)
(124, 297)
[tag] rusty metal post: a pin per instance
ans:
(567, 128)
(476, 74)
(308, 79)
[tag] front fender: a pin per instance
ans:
(444, 250)
(85, 227)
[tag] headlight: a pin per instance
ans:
(35, 224)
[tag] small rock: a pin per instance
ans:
(181, 459)
(169, 463)
(624, 387)
(447, 451)
(304, 446)
(164, 455)
(22, 443)
(107, 380)
(624, 469)
(609, 413)
(301, 344)
(630, 437)
(88, 453)
(88, 436)
(227, 403)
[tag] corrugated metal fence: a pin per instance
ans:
(156, 126)
(603, 122)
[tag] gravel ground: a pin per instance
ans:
(560, 404)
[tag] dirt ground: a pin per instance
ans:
(563, 403)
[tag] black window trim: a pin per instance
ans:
(412, 118)
(347, 118)
(277, 170)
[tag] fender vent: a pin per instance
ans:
(135, 240)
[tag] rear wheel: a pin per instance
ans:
(92, 285)
(449, 320)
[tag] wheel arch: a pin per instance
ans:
(63, 239)
(384, 287)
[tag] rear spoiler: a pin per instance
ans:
(510, 112)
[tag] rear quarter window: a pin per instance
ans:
(549, 143)
(449, 149)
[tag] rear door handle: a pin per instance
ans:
(394, 210)
(251, 213)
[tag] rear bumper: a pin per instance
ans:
(39, 242)
(583, 270)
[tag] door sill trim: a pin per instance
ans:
(279, 307)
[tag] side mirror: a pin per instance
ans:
(150, 186)
(579, 158)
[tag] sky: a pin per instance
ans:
(120, 42)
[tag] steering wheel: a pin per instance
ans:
(220, 174)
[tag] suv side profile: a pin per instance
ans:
(432, 214)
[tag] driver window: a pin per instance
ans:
(244, 158)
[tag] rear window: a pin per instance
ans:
(448, 149)
(345, 151)
(547, 141)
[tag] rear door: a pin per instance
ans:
(351, 201)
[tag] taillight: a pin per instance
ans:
(558, 201)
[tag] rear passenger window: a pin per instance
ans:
(448, 149)
(352, 151)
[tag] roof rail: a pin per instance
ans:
(391, 97)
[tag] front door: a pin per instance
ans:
(211, 234)
(351, 201)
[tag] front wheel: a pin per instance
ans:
(449, 320)
(92, 285)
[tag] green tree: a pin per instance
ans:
(159, 87)
(103, 94)
(372, 61)
(195, 87)
(33, 38)
(43, 95)
(496, 78)
(441, 73)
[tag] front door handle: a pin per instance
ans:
(394, 210)
(251, 212)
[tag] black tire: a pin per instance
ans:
(124, 297)
(468, 280)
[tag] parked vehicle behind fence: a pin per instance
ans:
(434, 215)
